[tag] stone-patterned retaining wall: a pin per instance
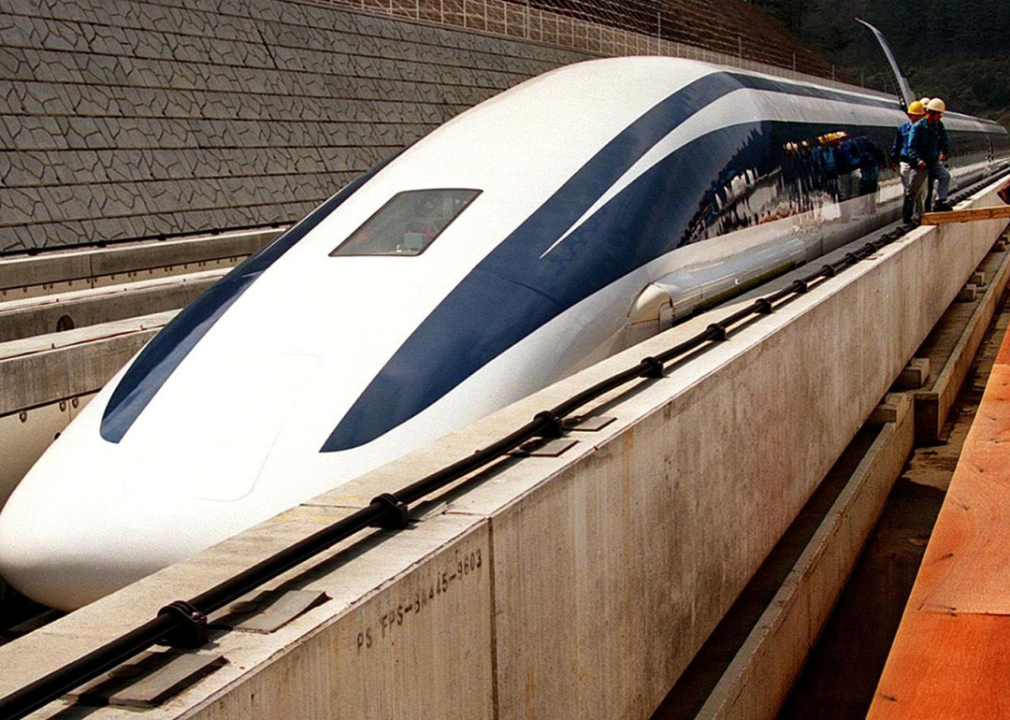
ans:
(122, 119)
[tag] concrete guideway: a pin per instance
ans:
(571, 586)
(840, 678)
(747, 667)
(45, 314)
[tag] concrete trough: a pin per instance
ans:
(562, 587)
(34, 275)
(40, 370)
(79, 308)
(758, 680)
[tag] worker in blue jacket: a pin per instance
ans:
(899, 149)
(927, 152)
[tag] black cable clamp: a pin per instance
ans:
(852, 258)
(764, 306)
(395, 514)
(555, 425)
(829, 270)
(653, 368)
(716, 332)
(800, 286)
(192, 633)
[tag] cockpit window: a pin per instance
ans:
(407, 224)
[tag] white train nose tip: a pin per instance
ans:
(54, 564)
(67, 540)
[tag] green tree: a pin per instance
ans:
(789, 12)
(953, 49)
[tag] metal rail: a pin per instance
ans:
(184, 623)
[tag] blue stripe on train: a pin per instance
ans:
(513, 292)
(521, 292)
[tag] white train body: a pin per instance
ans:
(576, 202)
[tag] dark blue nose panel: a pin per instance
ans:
(160, 357)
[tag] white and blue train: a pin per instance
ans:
(530, 236)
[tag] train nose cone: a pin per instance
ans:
(55, 570)
(64, 556)
(71, 532)
(68, 535)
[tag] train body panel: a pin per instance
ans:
(502, 252)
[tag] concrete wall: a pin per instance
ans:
(562, 587)
(123, 119)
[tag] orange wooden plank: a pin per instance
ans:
(946, 666)
(960, 216)
(951, 656)
(967, 562)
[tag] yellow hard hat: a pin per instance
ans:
(916, 108)
(937, 105)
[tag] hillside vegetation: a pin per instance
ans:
(957, 50)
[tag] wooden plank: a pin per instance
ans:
(960, 216)
(967, 562)
(951, 655)
(946, 666)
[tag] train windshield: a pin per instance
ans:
(408, 223)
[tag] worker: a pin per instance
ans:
(899, 149)
(932, 181)
(927, 151)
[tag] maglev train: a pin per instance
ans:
(528, 237)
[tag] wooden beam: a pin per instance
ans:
(960, 216)
(951, 655)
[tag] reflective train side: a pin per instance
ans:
(519, 242)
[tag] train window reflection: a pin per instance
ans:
(408, 223)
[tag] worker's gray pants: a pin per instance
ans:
(905, 171)
(916, 186)
(915, 208)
